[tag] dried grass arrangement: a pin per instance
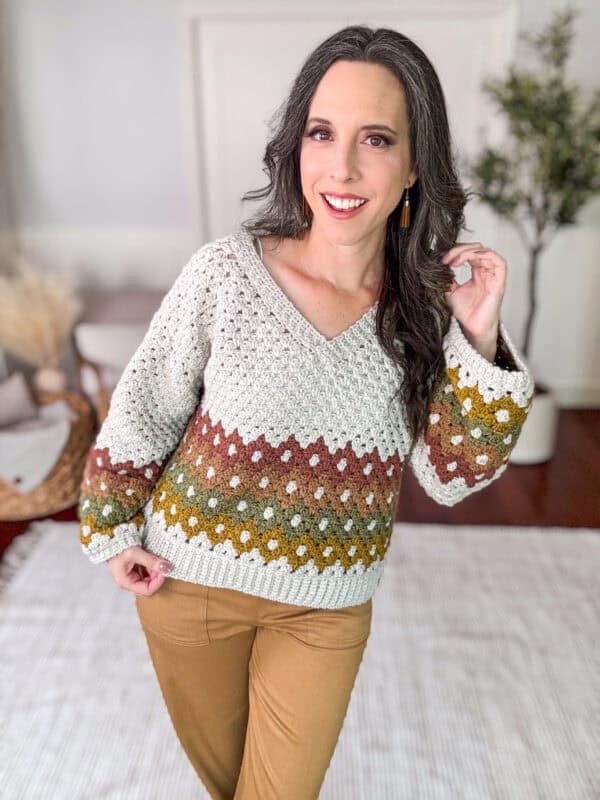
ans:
(38, 309)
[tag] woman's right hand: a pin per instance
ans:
(138, 571)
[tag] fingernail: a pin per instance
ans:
(163, 567)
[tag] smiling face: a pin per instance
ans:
(346, 151)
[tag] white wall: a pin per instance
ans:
(110, 173)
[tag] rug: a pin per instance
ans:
(481, 677)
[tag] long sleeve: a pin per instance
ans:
(477, 412)
(156, 394)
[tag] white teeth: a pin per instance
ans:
(343, 204)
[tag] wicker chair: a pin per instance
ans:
(60, 488)
(101, 400)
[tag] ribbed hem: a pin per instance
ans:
(102, 547)
(197, 563)
(492, 381)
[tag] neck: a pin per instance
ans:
(350, 266)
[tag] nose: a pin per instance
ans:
(344, 163)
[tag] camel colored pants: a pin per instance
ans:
(257, 690)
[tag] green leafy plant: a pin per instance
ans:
(550, 166)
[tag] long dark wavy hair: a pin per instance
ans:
(412, 314)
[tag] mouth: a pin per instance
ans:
(343, 206)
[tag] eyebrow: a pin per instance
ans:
(376, 125)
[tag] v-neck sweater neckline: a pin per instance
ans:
(283, 307)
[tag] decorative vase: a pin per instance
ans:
(537, 440)
(49, 379)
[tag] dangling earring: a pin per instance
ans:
(405, 217)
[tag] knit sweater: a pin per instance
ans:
(254, 453)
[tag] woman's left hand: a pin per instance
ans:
(476, 303)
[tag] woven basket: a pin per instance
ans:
(60, 488)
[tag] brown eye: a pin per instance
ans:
(317, 130)
(381, 138)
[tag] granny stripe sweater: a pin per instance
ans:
(256, 454)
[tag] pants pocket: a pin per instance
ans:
(338, 628)
(176, 612)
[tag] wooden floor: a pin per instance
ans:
(563, 492)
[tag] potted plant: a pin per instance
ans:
(544, 174)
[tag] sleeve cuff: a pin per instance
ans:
(492, 380)
(100, 546)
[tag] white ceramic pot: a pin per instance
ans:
(537, 440)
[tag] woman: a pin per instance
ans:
(255, 443)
